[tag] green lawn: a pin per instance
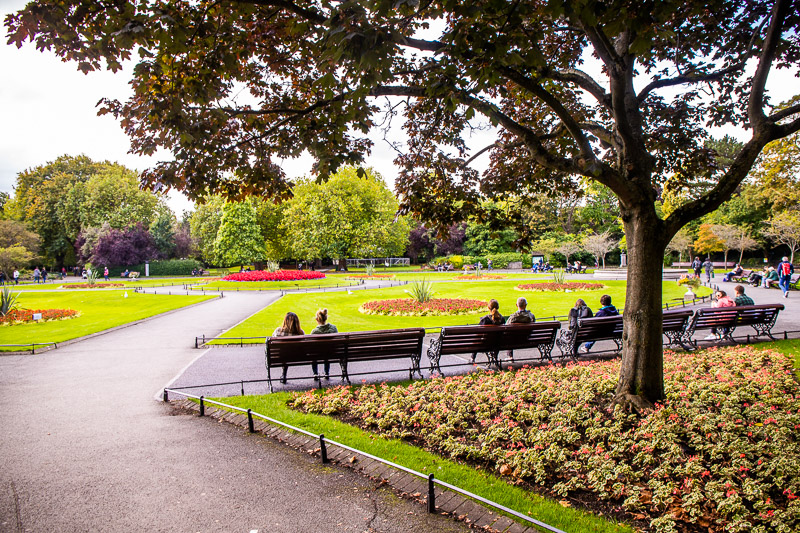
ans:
(275, 285)
(99, 310)
(464, 476)
(343, 306)
(129, 284)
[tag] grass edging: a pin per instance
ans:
(464, 476)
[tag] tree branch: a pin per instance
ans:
(783, 113)
(690, 78)
(582, 80)
(755, 106)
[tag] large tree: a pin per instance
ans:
(346, 217)
(317, 72)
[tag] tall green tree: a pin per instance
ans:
(346, 217)
(163, 232)
(204, 223)
(320, 71)
(239, 241)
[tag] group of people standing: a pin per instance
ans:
(782, 275)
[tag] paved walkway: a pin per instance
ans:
(84, 447)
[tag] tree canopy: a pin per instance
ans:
(229, 87)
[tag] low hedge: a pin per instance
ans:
(170, 267)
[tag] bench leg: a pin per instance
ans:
(434, 355)
(415, 362)
(545, 351)
(343, 366)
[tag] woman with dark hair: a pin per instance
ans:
(291, 326)
(494, 318)
(322, 327)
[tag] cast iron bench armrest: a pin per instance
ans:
(343, 348)
(591, 329)
(726, 319)
(492, 340)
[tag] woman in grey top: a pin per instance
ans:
(322, 327)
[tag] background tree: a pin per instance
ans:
(14, 233)
(599, 246)
(420, 244)
(681, 242)
(131, 246)
(728, 236)
(14, 256)
(204, 223)
(637, 122)
(481, 240)
(784, 228)
(239, 240)
(163, 232)
(707, 241)
(568, 249)
(741, 240)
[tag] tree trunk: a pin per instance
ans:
(343, 264)
(641, 378)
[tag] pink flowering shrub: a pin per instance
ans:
(433, 307)
(571, 286)
(96, 285)
(278, 275)
(720, 454)
(368, 276)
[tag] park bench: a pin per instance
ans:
(344, 348)
(133, 275)
(725, 320)
(743, 276)
(674, 325)
(793, 281)
(492, 340)
(590, 329)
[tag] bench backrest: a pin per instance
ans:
(467, 339)
(598, 329)
(757, 314)
(676, 320)
(744, 315)
(354, 346)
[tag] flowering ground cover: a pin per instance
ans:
(569, 286)
(482, 277)
(21, 316)
(433, 307)
(278, 275)
(720, 454)
(343, 305)
(276, 285)
(97, 285)
(373, 276)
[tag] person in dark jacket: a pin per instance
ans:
(323, 327)
(581, 310)
(606, 310)
(494, 318)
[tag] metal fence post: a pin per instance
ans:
(431, 495)
(250, 425)
(166, 395)
(242, 388)
(202, 407)
(323, 451)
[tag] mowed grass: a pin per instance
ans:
(127, 284)
(99, 310)
(343, 306)
(478, 482)
(447, 276)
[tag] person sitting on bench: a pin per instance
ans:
(291, 326)
(723, 300)
(737, 270)
(606, 310)
(520, 316)
(322, 327)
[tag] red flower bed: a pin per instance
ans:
(95, 286)
(484, 276)
(17, 316)
(574, 286)
(434, 307)
(279, 275)
(374, 276)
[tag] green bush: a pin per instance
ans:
(502, 260)
(171, 267)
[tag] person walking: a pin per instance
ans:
(697, 266)
(105, 273)
(36, 274)
(16, 276)
(709, 268)
(785, 271)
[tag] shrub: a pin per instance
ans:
(421, 291)
(432, 307)
(280, 275)
(172, 267)
(8, 301)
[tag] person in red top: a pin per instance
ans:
(723, 300)
(785, 271)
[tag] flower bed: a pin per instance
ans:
(278, 275)
(481, 277)
(570, 286)
(21, 316)
(720, 454)
(98, 285)
(374, 276)
(434, 307)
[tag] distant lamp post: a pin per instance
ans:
(623, 260)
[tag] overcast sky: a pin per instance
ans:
(48, 109)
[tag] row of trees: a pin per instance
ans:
(74, 210)
(353, 214)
